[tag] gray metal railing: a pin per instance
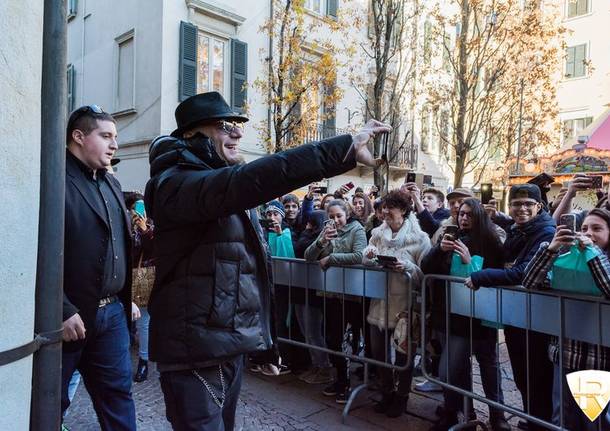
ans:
(564, 315)
(342, 282)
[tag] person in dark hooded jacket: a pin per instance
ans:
(210, 304)
(531, 226)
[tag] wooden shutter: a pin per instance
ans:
(70, 78)
(580, 55)
(330, 114)
(331, 8)
(187, 80)
(582, 7)
(569, 62)
(239, 75)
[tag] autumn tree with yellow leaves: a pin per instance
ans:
(387, 91)
(500, 79)
(300, 89)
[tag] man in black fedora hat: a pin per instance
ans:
(211, 301)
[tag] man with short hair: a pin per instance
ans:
(531, 227)
(97, 272)
(211, 301)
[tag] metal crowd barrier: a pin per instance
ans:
(355, 280)
(564, 315)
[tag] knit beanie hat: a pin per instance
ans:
(276, 206)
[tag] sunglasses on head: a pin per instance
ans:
(84, 110)
(230, 126)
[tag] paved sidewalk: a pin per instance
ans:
(285, 403)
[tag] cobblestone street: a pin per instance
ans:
(285, 403)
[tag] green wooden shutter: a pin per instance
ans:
(330, 113)
(187, 80)
(239, 75)
(582, 7)
(580, 55)
(569, 62)
(71, 86)
(331, 8)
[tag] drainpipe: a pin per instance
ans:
(269, 59)
(45, 411)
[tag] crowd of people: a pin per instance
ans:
(219, 221)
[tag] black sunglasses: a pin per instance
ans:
(81, 111)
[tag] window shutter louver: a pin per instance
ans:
(580, 54)
(330, 114)
(570, 63)
(187, 82)
(331, 8)
(71, 86)
(239, 75)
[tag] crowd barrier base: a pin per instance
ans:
(356, 281)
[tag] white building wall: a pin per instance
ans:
(20, 78)
(588, 96)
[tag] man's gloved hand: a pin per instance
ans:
(359, 141)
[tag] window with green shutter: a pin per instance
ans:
(239, 75)
(576, 8)
(187, 80)
(71, 9)
(331, 8)
(576, 57)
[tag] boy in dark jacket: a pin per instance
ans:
(531, 226)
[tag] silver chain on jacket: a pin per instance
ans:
(220, 403)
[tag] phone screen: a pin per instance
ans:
(139, 208)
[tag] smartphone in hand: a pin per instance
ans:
(450, 233)
(569, 221)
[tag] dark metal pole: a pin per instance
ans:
(46, 374)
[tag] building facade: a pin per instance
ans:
(140, 62)
(584, 88)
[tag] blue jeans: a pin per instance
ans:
(573, 417)
(188, 403)
(457, 355)
(105, 365)
(310, 321)
(142, 326)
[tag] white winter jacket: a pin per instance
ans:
(409, 245)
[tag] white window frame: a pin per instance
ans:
(587, 57)
(119, 111)
(226, 40)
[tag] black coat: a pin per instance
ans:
(85, 246)
(211, 298)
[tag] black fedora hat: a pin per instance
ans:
(201, 108)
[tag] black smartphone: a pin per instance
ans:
(487, 192)
(427, 180)
(569, 221)
(266, 223)
(386, 260)
(597, 181)
(450, 233)
(322, 190)
(411, 177)
(542, 180)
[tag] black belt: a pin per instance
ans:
(107, 300)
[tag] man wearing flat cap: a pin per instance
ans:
(211, 299)
(531, 226)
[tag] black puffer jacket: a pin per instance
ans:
(211, 300)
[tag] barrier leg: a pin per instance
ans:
(355, 393)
